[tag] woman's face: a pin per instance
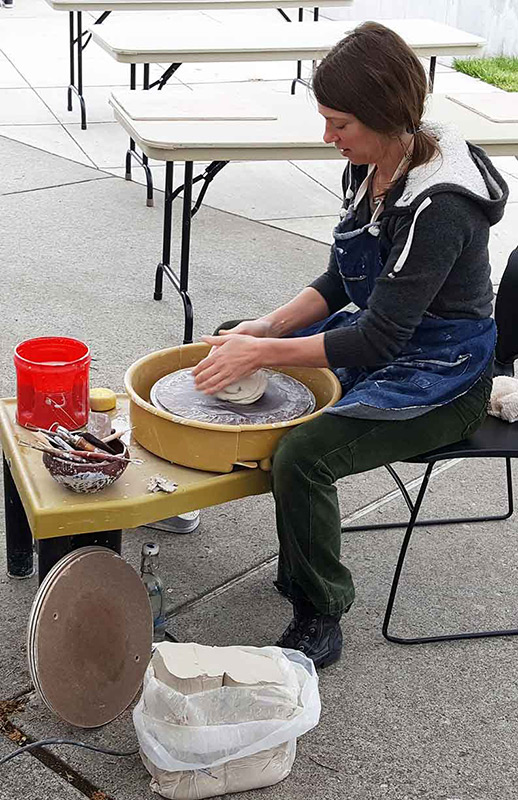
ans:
(359, 144)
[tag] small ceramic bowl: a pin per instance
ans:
(87, 478)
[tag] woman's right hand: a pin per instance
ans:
(260, 328)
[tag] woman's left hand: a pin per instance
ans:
(233, 356)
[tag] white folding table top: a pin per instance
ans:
(503, 107)
(152, 39)
(254, 123)
(185, 5)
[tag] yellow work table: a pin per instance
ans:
(37, 507)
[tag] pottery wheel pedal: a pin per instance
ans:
(89, 637)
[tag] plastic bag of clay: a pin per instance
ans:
(201, 726)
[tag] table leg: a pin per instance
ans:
(18, 536)
(185, 253)
(71, 55)
(167, 230)
(50, 551)
(299, 78)
(316, 14)
(181, 283)
(431, 73)
(76, 52)
(283, 14)
(132, 152)
(76, 42)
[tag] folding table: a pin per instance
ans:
(251, 123)
(36, 507)
(140, 40)
(78, 42)
(146, 40)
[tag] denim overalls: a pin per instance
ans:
(442, 360)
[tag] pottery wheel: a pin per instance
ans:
(89, 637)
(285, 399)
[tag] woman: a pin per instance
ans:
(415, 361)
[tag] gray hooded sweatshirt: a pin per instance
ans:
(434, 231)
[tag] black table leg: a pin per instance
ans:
(167, 230)
(18, 536)
(299, 78)
(180, 282)
(72, 59)
(50, 551)
(185, 254)
(76, 45)
(431, 73)
(131, 153)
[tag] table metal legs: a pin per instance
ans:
(431, 73)
(18, 536)
(50, 551)
(181, 282)
(76, 45)
(131, 153)
(299, 78)
(19, 543)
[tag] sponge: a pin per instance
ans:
(102, 399)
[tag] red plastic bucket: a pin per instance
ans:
(52, 382)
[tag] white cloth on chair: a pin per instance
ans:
(504, 398)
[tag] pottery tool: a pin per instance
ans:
(117, 435)
(64, 454)
(85, 455)
(84, 441)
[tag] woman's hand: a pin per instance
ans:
(251, 327)
(233, 356)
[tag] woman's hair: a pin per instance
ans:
(374, 75)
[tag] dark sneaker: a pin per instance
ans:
(282, 589)
(318, 636)
(8, 3)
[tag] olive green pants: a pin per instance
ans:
(313, 456)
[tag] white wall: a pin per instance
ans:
(495, 20)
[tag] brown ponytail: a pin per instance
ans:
(373, 74)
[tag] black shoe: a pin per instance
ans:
(282, 589)
(8, 3)
(318, 636)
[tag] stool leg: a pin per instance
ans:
(18, 536)
(50, 551)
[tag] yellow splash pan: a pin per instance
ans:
(203, 445)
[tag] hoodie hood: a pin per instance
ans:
(461, 167)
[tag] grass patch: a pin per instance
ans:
(501, 71)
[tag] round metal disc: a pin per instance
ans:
(285, 399)
(89, 637)
(49, 579)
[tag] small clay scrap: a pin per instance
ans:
(158, 483)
